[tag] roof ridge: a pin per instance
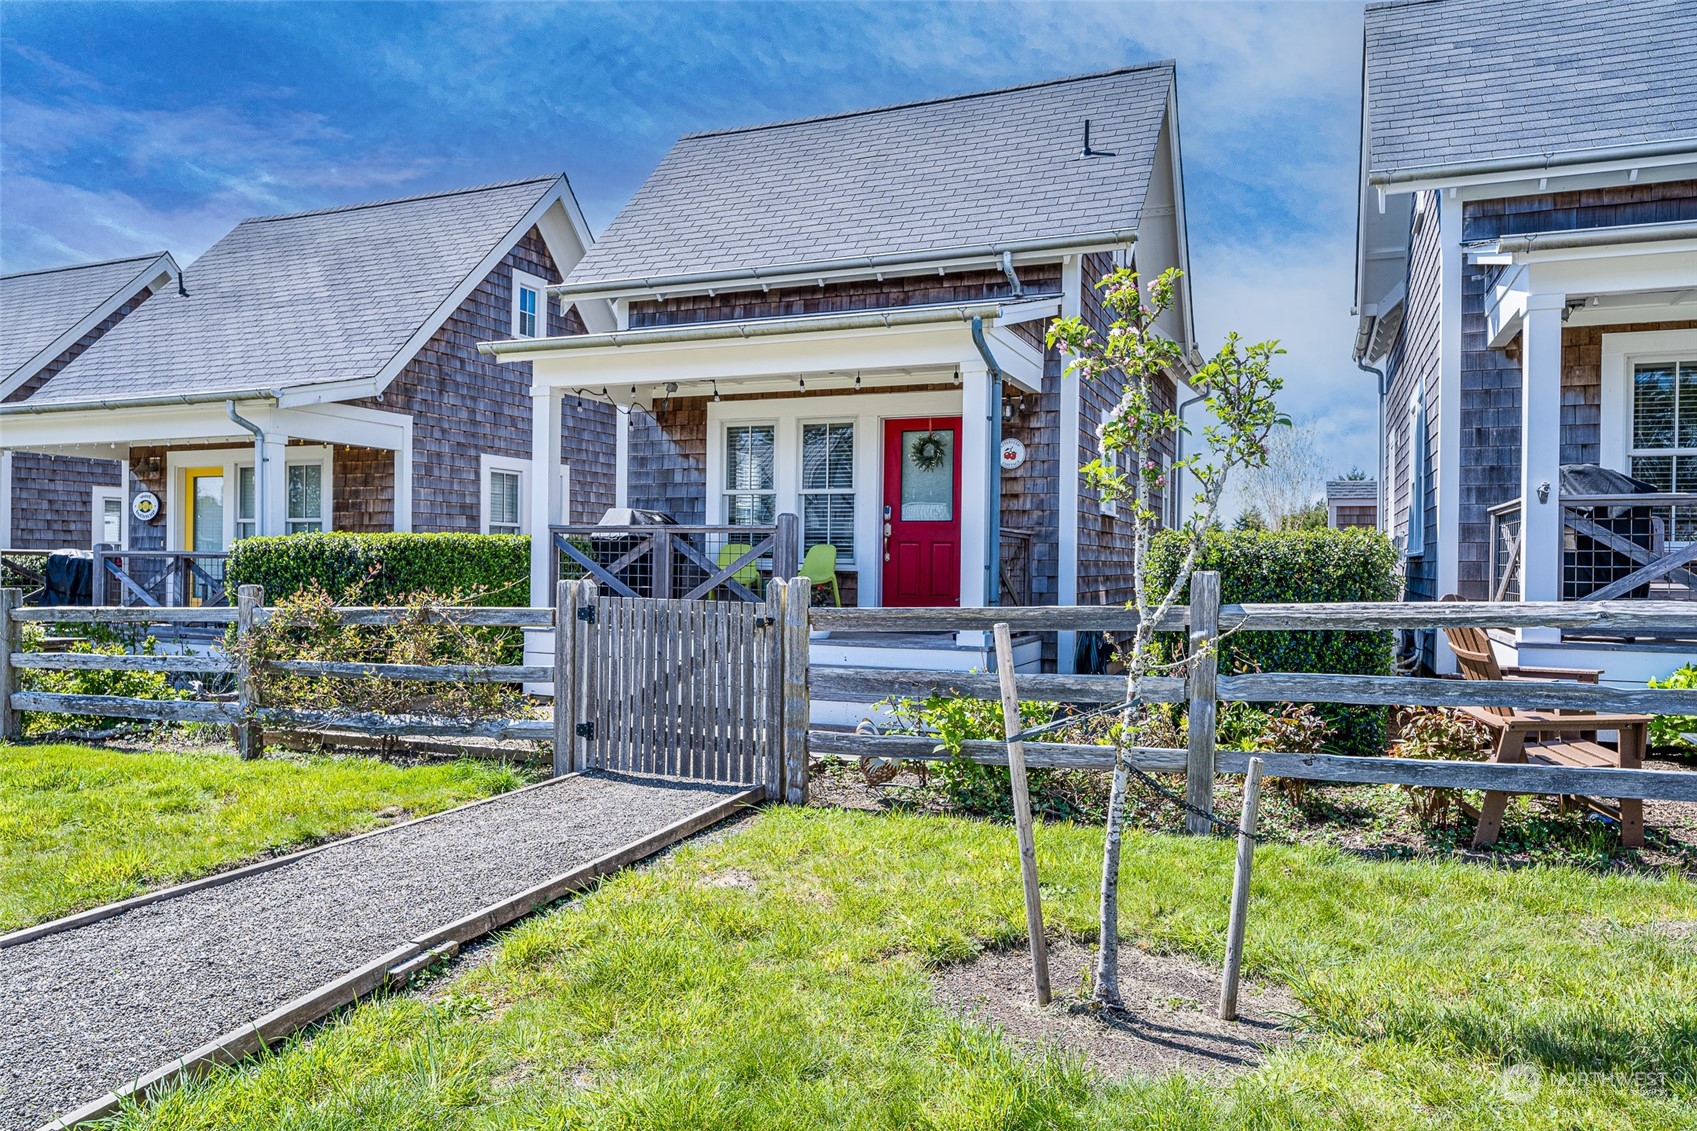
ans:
(82, 266)
(547, 179)
(1157, 64)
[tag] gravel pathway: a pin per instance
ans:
(88, 1009)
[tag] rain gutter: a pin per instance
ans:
(28, 408)
(1535, 162)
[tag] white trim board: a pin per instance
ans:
(1620, 353)
(486, 464)
(229, 459)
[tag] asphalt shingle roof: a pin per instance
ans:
(981, 168)
(37, 307)
(309, 298)
(1451, 82)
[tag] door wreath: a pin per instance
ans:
(929, 451)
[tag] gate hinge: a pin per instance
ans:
(586, 614)
(765, 622)
(586, 730)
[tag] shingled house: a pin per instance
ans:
(797, 306)
(320, 371)
(47, 319)
(1527, 287)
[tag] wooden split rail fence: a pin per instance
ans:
(1207, 622)
(698, 689)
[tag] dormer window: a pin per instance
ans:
(530, 306)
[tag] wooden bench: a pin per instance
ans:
(1551, 738)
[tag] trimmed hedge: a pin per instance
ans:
(393, 566)
(1301, 566)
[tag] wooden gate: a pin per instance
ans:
(707, 690)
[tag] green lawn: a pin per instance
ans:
(81, 826)
(778, 979)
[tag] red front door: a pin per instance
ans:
(922, 511)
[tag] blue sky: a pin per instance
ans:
(132, 128)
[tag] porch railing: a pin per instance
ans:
(165, 579)
(1614, 547)
(691, 563)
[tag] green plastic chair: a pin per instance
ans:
(820, 567)
(749, 574)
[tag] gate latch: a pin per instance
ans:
(764, 622)
(586, 730)
(586, 614)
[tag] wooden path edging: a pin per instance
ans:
(218, 879)
(292, 1016)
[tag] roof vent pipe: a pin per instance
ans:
(993, 527)
(1013, 276)
(258, 466)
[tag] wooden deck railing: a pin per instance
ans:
(1613, 546)
(672, 562)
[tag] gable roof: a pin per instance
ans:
(327, 299)
(43, 313)
(1457, 82)
(999, 167)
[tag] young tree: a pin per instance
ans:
(1238, 387)
(1290, 479)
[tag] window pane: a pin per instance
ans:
(829, 519)
(827, 457)
(244, 495)
(1654, 470)
(1687, 405)
(1653, 406)
(503, 499)
(527, 313)
(749, 458)
(208, 512)
(928, 476)
(751, 509)
(111, 521)
(306, 494)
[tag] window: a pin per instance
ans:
(306, 498)
(1664, 433)
(247, 513)
(751, 497)
(1414, 542)
(108, 516)
(530, 306)
(827, 487)
(505, 488)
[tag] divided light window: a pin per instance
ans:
(504, 494)
(247, 520)
(526, 327)
(306, 498)
(827, 487)
(751, 497)
(1664, 433)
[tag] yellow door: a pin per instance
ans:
(203, 518)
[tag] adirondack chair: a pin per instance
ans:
(1548, 737)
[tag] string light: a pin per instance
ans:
(715, 390)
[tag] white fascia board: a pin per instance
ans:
(1020, 362)
(1505, 307)
(470, 283)
(1611, 270)
(568, 237)
(937, 345)
(1181, 230)
(199, 423)
(1679, 163)
(153, 274)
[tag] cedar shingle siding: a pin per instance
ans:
(53, 500)
(464, 404)
(668, 459)
(1413, 363)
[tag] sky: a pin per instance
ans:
(135, 128)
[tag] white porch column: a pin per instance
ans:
(1540, 455)
(975, 411)
(273, 480)
(621, 458)
(545, 407)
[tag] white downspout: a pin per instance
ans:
(259, 461)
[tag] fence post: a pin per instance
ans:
(11, 640)
(1240, 891)
(1012, 724)
(797, 594)
(770, 621)
(250, 740)
(662, 558)
(1204, 690)
(565, 677)
(583, 674)
(786, 546)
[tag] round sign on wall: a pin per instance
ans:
(1013, 454)
(145, 506)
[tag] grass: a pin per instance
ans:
(81, 826)
(778, 979)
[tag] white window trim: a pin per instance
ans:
(526, 279)
(781, 456)
(486, 464)
(1414, 539)
(1622, 353)
(867, 411)
(229, 459)
(98, 514)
